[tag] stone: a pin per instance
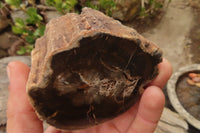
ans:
(190, 94)
(4, 83)
(126, 9)
(19, 14)
(171, 122)
(3, 22)
(12, 51)
(7, 39)
(195, 3)
(88, 69)
(2, 129)
(3, 53)
(51, 14)
(43, 2)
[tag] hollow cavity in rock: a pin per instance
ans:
(93, 82)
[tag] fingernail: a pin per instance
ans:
(8, 72)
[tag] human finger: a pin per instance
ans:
(149, 111)
(20, 116)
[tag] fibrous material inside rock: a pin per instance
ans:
(91, 77)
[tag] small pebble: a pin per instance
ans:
(192, 75)
(196, 79)
(198, 85)
(190, 82)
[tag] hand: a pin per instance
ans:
(141, 118)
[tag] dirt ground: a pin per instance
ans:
(195, 38)
(172, 33)
(177, 33)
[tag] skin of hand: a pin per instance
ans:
(141, 118)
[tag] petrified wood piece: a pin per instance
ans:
(87, 69)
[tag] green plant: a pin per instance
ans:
(150, 8)
(143, 12)
(28, 33)
(156, 4)
(30, 29)
(63, 6)
(14, 3)
(25, 49)
(3, 9)
(1, 4)
(33, 16)
(106, 6)
(33, 26)
(89, 4)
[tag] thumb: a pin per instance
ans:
(21, 118)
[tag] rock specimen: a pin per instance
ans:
(87, 69)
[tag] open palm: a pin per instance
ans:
(141, 118)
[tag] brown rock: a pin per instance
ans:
(43, 2)
(126, 9)
(19, 14)
(87, 69)
(171, 122)
(51, 15)
(192, 75)
(3, 22)
(195, 3)
(7, 39)
(12, 51)
(3, 53)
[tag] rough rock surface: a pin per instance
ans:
(71, 63)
